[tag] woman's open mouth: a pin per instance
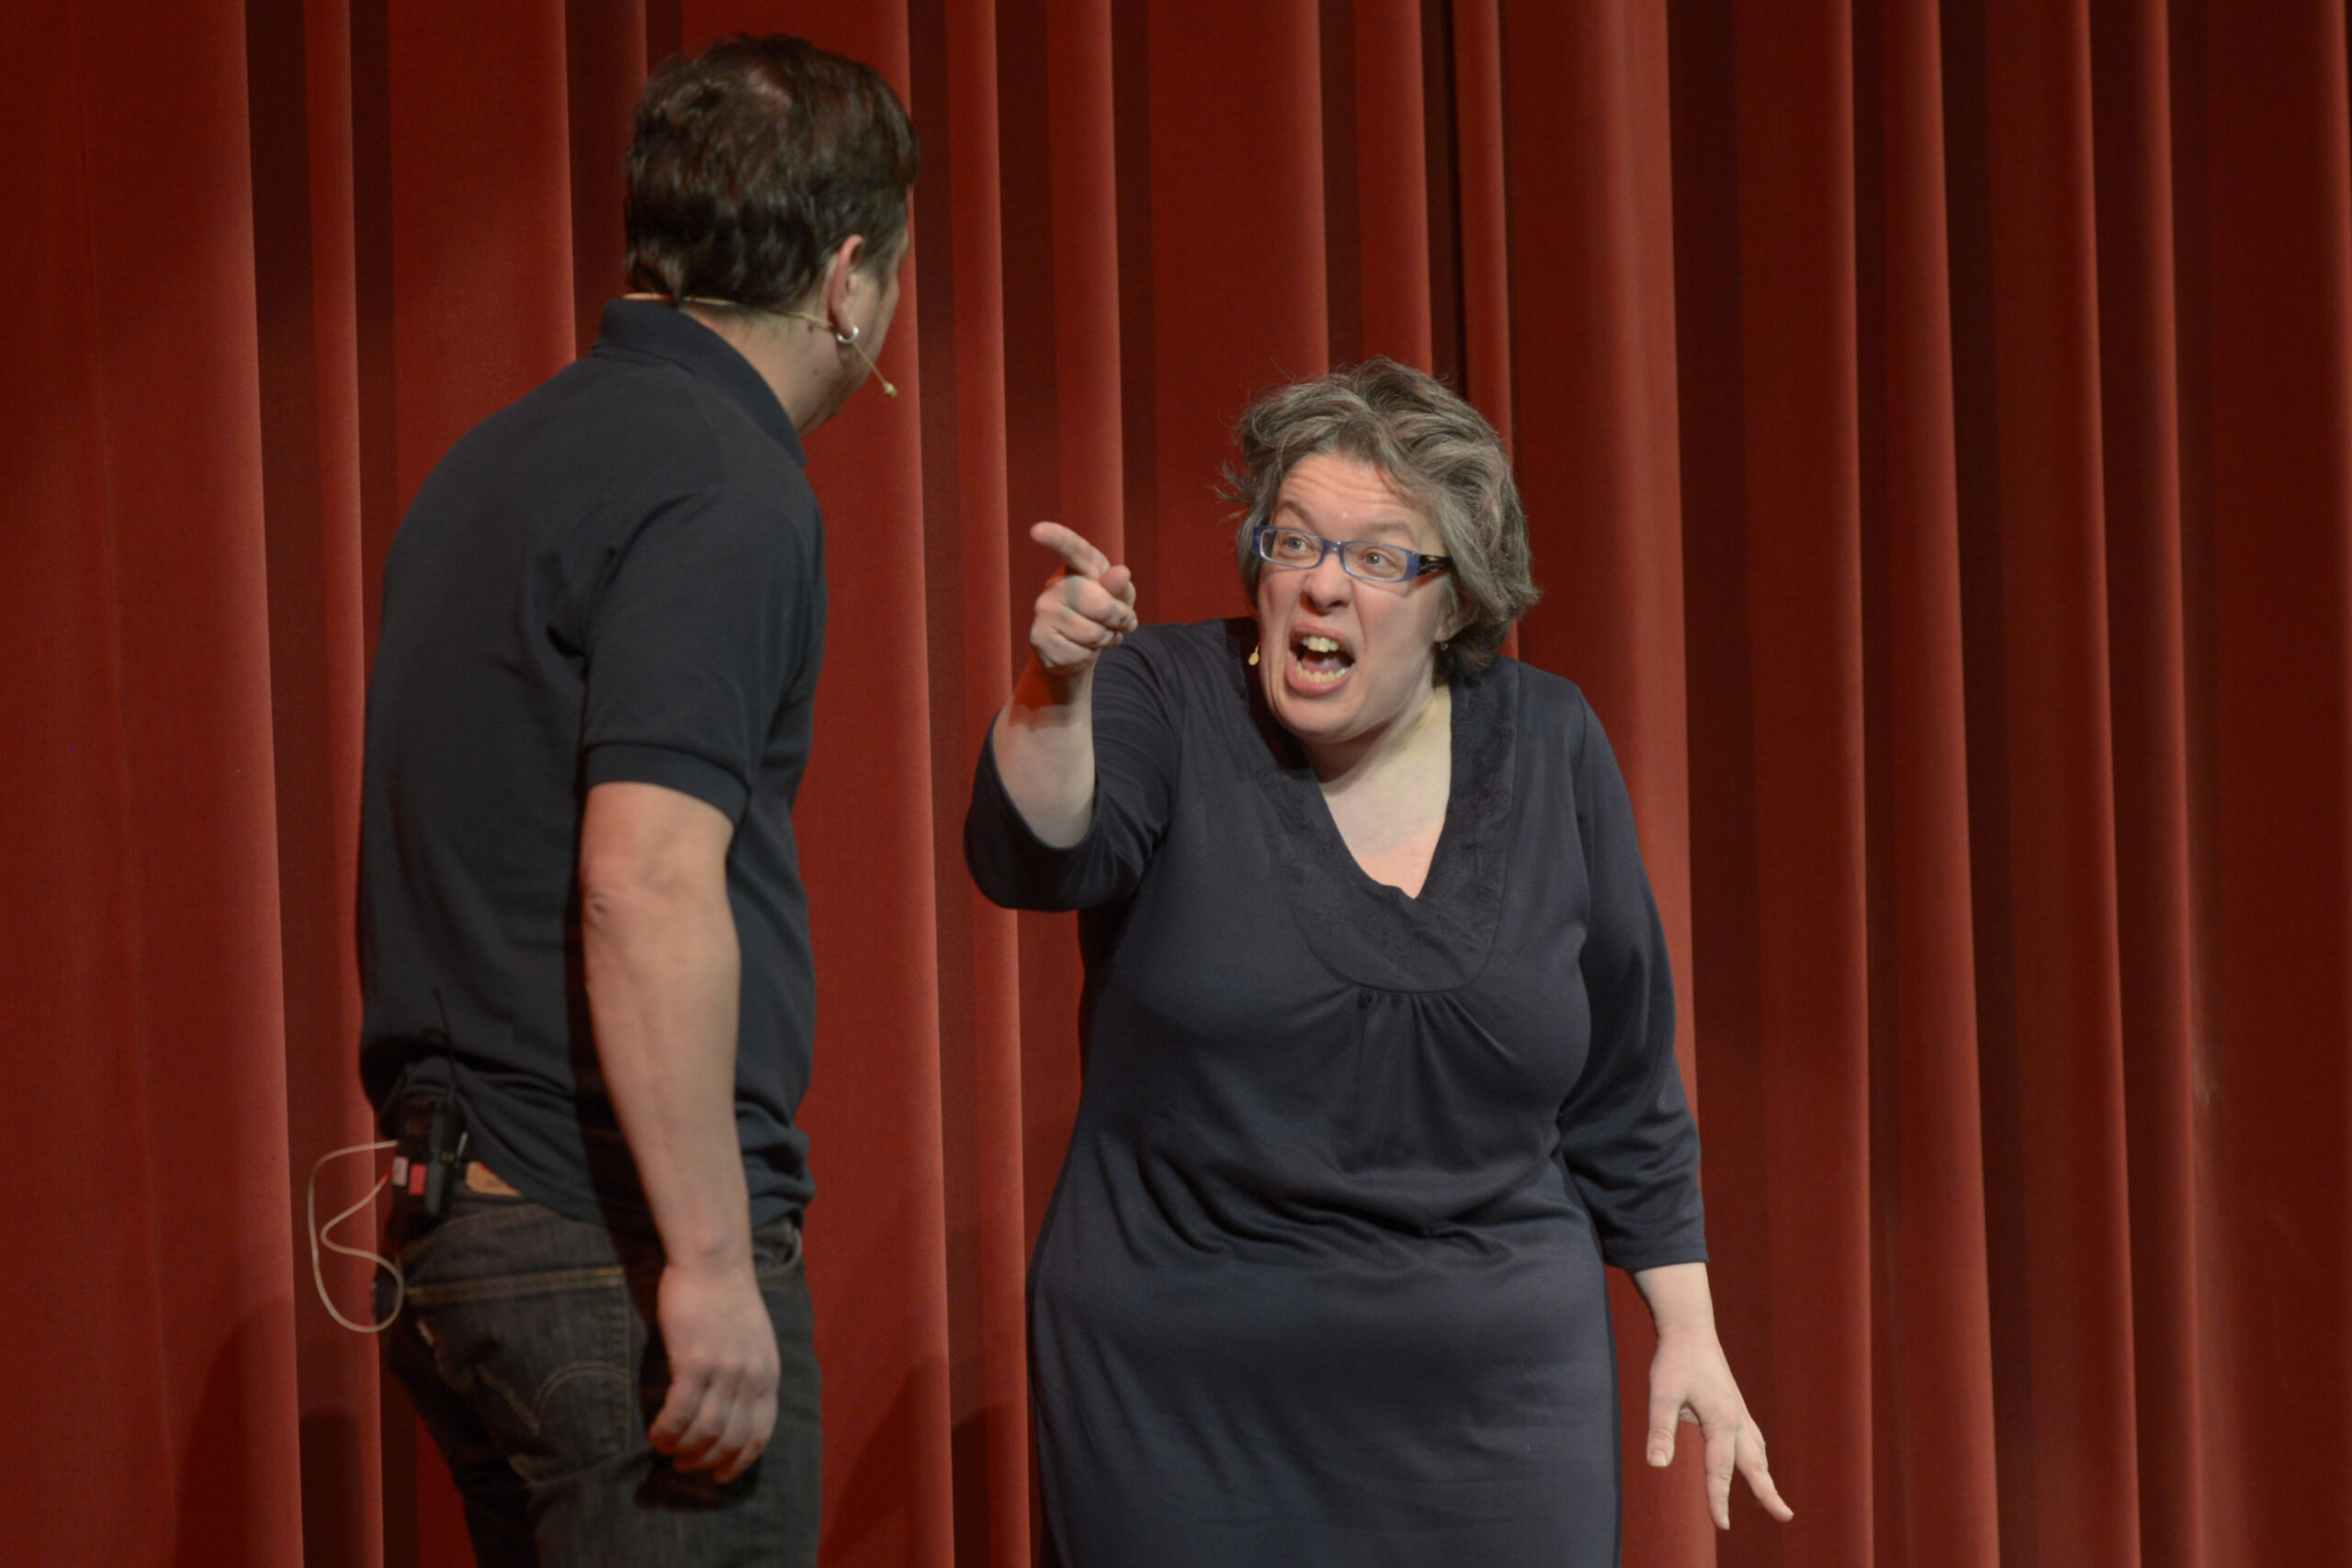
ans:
(1319, 662)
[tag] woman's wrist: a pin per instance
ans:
(1679, 1302)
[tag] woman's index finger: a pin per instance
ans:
(1070, 545)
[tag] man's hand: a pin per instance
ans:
(663, 975)
(723, 1369)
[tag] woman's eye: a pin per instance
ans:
(1376, 559)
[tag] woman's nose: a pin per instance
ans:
(1326, 582)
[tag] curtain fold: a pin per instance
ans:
(1935, 1497)
(955, 54)
(143, 962)
(298, 103)
(2064, 1401)
(2270, 568)
(1793, 1039)
(1593, 370)
(1935, 420)
(2138, 373)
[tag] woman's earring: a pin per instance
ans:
(1254, 658)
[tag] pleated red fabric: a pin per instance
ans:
(2064, 1401)
(1935, 419)
(1934, 1489)
(2273, 638)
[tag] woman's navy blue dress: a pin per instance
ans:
(1321, 1282)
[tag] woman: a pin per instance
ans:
(1380, 1036)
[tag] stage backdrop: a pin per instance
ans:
(1936, 421)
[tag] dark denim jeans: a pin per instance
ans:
(525, 1344)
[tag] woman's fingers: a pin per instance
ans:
(1752, 1465)
(1689, 1381)
(1086, 607)
(1063, 644)
(1066, 638)
(1735, 1446)
(1665, 1406)
(1095, 601)
(1070, 545)
(1081, 611)
(1082, 561)
(1722, 1456)
(1120, 583)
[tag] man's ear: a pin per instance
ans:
(842, 277)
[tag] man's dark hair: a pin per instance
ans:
(752, 162)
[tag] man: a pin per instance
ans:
(584, 938)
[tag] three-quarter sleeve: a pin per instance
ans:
(1626, 1136)
(1137, 739)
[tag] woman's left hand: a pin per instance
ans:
(1689, 1381)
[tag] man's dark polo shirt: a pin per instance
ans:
(619, 578)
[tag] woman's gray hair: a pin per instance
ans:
(1439, 453)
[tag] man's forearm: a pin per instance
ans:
(663, 975)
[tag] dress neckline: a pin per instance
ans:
(1365, 931)
(1445, 830)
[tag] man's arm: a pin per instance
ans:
(663, 975)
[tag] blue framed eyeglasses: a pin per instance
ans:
(1367, 560)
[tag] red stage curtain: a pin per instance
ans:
(1935, 419)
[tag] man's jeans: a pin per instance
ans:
(525, 1344)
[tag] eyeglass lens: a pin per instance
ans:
(1373, 561)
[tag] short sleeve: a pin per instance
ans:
(1626, 1135)
(1138, 749)
(691, 648)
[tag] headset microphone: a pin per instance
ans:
(849, 341)
(846, 339)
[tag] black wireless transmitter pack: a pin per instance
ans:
(429, 1158)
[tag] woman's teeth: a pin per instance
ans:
(1321, 661)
